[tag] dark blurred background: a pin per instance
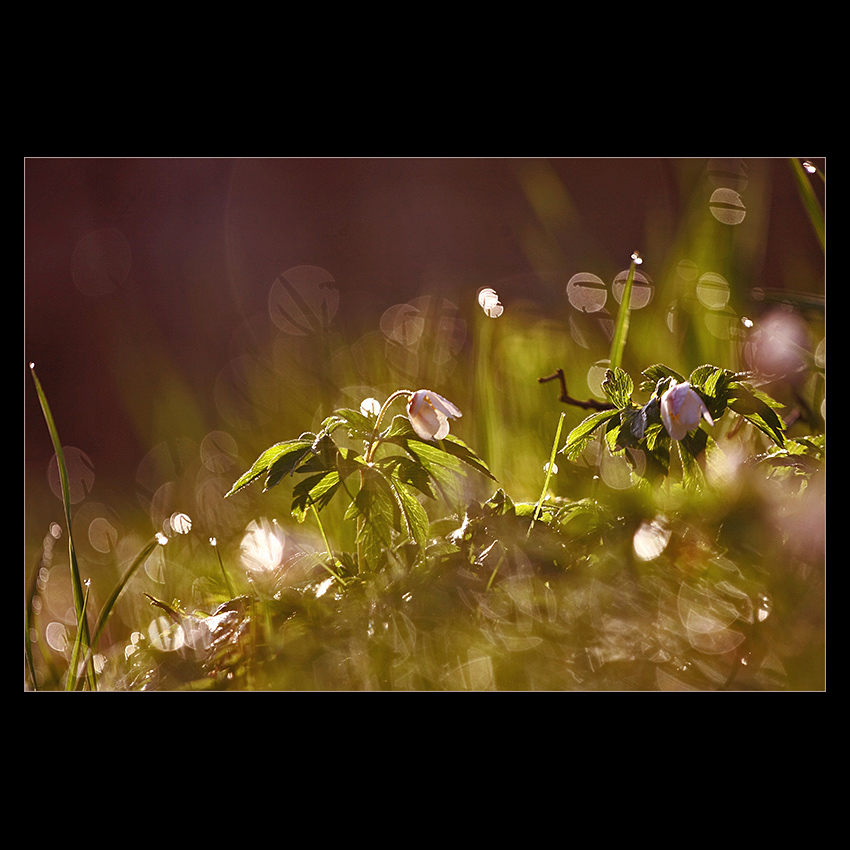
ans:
(143, 277)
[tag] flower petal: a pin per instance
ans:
(429, 414)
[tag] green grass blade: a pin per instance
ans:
(550, 466)
(28, 612)
(74, 667)
(810, 202)
(621, 331)
(76, 581)
(119, 589)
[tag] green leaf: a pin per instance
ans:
(358, 424)
(432, 453)
(759, 409)
(410, 512)
(582, 434)
(374, 506)
(712, 385)
(317, 490)
(692, 475)
(408, 471)
(618, 386)
(656, 373)
(275, 462)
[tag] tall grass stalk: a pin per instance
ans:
(810, 202)
(74, 668)
(76, 582)
(621, 330)
(119, 589)
(549, 467)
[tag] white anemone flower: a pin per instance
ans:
(681, 410)
(429, 414)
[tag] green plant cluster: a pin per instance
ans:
(382, 492)
(631, 426)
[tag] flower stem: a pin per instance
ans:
(375, 439)
(327, 546)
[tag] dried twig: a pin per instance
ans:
(590, 404)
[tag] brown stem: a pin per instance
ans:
(590, 404)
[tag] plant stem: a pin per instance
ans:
(590, 404)
(375, 440)
(621, 331)
(327, 546)
(549, 468)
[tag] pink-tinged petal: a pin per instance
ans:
(429, 414)
(681, 410)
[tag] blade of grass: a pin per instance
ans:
(810, 202)
(28, 612)
(119, 589)
(74, 666)
(621, 330)
(76, 581)
(549, 467)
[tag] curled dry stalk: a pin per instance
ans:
(589, 404)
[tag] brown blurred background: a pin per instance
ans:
(140, 274)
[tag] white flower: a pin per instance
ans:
(681, 409)
(429, 414)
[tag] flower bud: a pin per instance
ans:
(429, 414)
(681, 409)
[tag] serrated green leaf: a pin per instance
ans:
(374, 506)
(759, 409)
(618, 386)
(411, 513)
(286, 455)
(582, 434)
(408, 471)
(656, 373)
(315, 491)
(432, 453)
(358, 424)
(692, 475)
